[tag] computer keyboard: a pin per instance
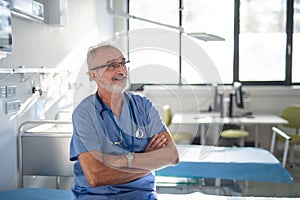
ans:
(248, 114)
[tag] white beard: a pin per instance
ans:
(115, 88)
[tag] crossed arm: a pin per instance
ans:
(100, 169)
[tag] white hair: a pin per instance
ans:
(93, 50)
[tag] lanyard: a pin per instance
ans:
(122, 133)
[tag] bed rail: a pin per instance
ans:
(62, 112)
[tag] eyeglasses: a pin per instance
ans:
(113, 65)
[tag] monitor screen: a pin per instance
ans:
(5, 27)
(239, 99)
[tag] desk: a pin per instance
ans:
(232, 163)
(215, 119)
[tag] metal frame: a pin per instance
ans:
(286, 145)
(20, 134)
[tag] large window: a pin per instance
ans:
(196, 18)
(212, 17)
(262, 40)
(257, 48)
(149, 61)
(296, 42)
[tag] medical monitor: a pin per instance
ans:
(237, 97)
(5, 27)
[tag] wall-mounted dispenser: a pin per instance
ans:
(29, 9)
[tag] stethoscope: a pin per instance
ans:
(139, 132)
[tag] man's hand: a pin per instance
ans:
(158, 141)
(161, 151)
(120, 161)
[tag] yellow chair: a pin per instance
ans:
(292, 115)
(235, 134)
(178, 137)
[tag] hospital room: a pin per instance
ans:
(191, 99)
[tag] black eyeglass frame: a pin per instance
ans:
(113, 65)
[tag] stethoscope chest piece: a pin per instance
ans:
(139, 133)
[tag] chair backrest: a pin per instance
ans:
(168, 115)
(292, 115)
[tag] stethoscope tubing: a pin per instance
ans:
(132, 115)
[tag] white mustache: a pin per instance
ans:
(120, 77)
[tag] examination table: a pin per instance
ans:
(233, 163)
(50, 194)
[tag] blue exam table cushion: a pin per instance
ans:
(232, 163)
(37, 194)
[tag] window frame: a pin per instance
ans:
(288, 50)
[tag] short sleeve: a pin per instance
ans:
(85, 137)
(156, 124)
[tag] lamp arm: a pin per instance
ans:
(121, 14)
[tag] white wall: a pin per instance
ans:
(38, 44)
(263, 99)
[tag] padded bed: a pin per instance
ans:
(50, 194)
(233, 163)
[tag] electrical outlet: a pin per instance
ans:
(13, 106)
(11, 91)
(2, 91)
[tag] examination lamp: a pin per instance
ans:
(199, 35)
(206, 37)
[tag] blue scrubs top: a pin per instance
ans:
(94, 129)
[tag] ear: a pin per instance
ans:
(93, 75)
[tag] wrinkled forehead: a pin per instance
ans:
(106, 55)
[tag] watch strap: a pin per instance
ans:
(130, 157)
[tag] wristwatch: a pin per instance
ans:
(130, 157)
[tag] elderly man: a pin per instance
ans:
(119, 138)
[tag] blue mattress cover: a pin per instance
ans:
(233, 163)
(50, 194)
(37, 194)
